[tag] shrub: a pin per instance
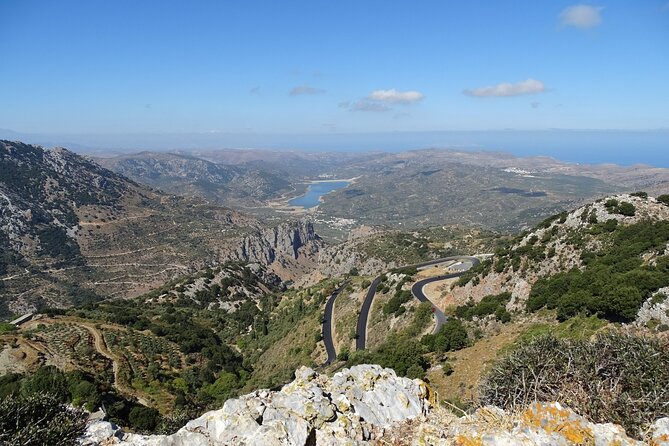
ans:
(615, 377)
(394, 305)
(626, 208)
(615, 282)
(144, 419)
(493, 304)
(640, 194)
(6, 327)
(663, 199)
(39, 419)
(452, 336)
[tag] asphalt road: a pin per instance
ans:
(417, 291)
(327, 324)
(361, 329)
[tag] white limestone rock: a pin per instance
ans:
(349, 408)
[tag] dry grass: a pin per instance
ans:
(471, 363)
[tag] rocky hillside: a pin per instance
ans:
(376, 250)
(621, 241)
(190, 176)
(72, 231)
(368, 405)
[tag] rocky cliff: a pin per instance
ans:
(368, 405)
(288, 249)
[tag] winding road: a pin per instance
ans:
(416, 290)
(328, 324)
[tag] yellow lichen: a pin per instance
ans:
(555, 419)
(462, 440)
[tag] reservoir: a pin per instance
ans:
(314, 193)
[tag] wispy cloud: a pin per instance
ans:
(529, 86)
(364, 105)
(581, 16)
(395, 96)
(382, 100)
(305, 89)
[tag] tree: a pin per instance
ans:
(626, 208)
(144, 418)
(223, 387)
(452, 336)
(415, 371)
(47, 380)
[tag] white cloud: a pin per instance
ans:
(304, 89)
(395, 96)
(581, 16)
(529, 86)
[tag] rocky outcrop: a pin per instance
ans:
(288, 241)
(350, 408)
(368, 405)
(654, 313)
(539, 424)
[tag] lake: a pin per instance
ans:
(314, 193)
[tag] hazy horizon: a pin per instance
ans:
(579, 146)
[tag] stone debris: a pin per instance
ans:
(369, 405)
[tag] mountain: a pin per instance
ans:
(606, 257)
(72, 231)
(196, 177)
(414, 189)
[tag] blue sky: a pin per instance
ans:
(329, 67)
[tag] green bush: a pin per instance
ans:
(144, 419)
(6, 327)
(663, 199)
(615, 377)
(394, 305)
(492, 304)
(38, 420)
(626, 208)
(452, 336)
(615, 281)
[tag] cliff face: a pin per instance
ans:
(288, 249)
(368, 405)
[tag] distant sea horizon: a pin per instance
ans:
(623, 147)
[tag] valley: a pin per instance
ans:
(168, 306)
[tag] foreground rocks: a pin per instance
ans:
(351, 407)
(368, 405)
